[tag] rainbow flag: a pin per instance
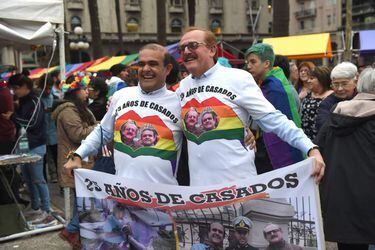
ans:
(164, 148)
(229, 126)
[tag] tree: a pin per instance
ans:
(119, 27)
(161, 23)
(191, 9)
(95, 29)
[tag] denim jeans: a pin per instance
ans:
(73, 225)
(37, 185)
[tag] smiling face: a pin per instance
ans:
(197, 59)
(314, 85)
(344, 88)
(208, 121)
(148, 138)
(191, 119)
(304, 73)
(216, 234)
(152, 72)
(129, 132)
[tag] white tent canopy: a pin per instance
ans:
(30, 22)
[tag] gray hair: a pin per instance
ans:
(366, 81)
(344, 70)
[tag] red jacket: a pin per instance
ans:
(7, 127)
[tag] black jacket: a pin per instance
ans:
(347, 142)
(35, 132)
(98, 108)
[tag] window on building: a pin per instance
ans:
(302, 25)
(75, 21)
(133, 2)
(176, 26)
(216, 27)
(218, 4)
(270, 27)
(254, 5)
(176, 3)
(132, 24)
(329, 20)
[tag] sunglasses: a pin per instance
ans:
(190, 45)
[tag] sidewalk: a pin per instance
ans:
(44, 241)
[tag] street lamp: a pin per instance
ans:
(80, 43)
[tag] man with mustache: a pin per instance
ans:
(236, 92)
(128, 133)
(274, 235)
(191, 121)
(214, 240)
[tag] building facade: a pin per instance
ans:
(229, 20)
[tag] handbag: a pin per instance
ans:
(104, 162)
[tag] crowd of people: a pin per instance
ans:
(294, 111)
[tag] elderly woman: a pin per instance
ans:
(344, 85)
(347, 142)
(319, 86)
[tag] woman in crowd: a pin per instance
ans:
(319, 87)
(98, 90)
(304, 70)
(50, 127)
(347, 142)
(30, 116)
(343, 83)
(74, 122)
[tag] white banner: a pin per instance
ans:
(119, 213)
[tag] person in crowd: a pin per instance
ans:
(98, 90)
(173, 81)
(7, 126)
(279, 92)
(304, 69)
(237, 91)
(46, 84)
(7, 140)
(56, 89)
(118, 80)
(344, 85)
(283, 63)
(183, 72)
(74, 122)
(242, 226)
(294, 74)
(319, 88)
(30, 116)
(347, 141)
(214, 239)
(274, 235)
(150, 99)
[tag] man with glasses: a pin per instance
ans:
(344, 85)
(274, 235)
(235, 97)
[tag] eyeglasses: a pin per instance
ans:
(190, 45)
(337, 85)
